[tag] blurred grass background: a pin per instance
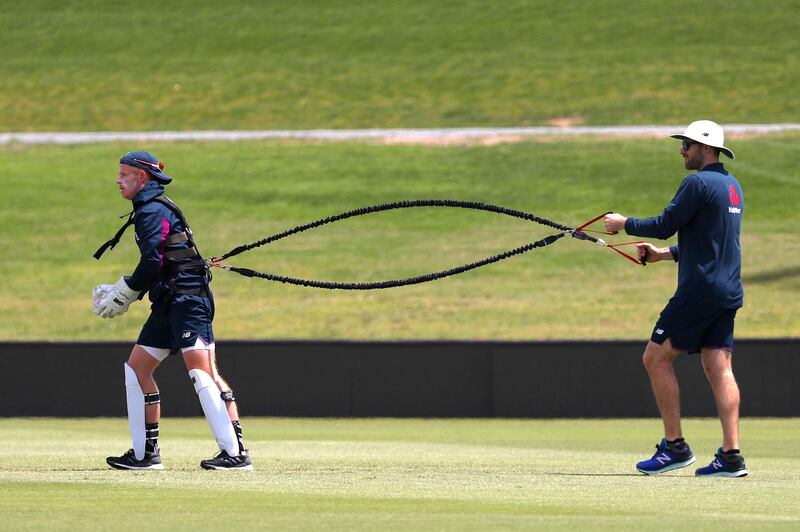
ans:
(101, 65)
(60, 203)
(163, 65)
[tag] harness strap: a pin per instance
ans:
(115, 239)
(177, 238)
(203, 291)
(199, 265)
(181, 253)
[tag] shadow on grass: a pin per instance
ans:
(82, 469)
(596, 474)
(773, 275)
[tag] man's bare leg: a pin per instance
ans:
(658, 361)
(718, 366)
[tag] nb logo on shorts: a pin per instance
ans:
(186, 334)
(659, 331)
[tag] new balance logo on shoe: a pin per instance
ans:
(724, 465)
(663, 459)
(666, 459)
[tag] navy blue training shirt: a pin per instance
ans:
(706, 212)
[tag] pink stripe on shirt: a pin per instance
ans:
(164, 233)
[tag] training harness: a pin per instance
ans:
(174, 261)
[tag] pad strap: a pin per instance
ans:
(227, 396)
(151, 431)
(152, 398)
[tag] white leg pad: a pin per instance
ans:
(135, 411)
(215, 411)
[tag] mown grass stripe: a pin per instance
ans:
(389, 135)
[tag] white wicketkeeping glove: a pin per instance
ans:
(98, 294)
(117, 300)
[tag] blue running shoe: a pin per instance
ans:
(668, 457)
(724, 465)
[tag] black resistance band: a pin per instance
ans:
(565, 230)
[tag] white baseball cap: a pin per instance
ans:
(708, 133)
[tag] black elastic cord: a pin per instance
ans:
(397, 282)
(396, 205)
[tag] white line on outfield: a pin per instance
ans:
(371, 134)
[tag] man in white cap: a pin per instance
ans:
(706, 213)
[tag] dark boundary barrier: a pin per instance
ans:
(403, 379)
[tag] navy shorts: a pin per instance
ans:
(692, 326)
(177, 322)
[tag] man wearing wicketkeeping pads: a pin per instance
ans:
(176, 277)
(706, 212)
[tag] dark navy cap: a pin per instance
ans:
(149, 162)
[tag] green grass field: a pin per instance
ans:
(152, 66)
(160, 65)
(61, 203)
(98, 65)
(392, 474)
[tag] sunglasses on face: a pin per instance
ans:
(688, 144)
